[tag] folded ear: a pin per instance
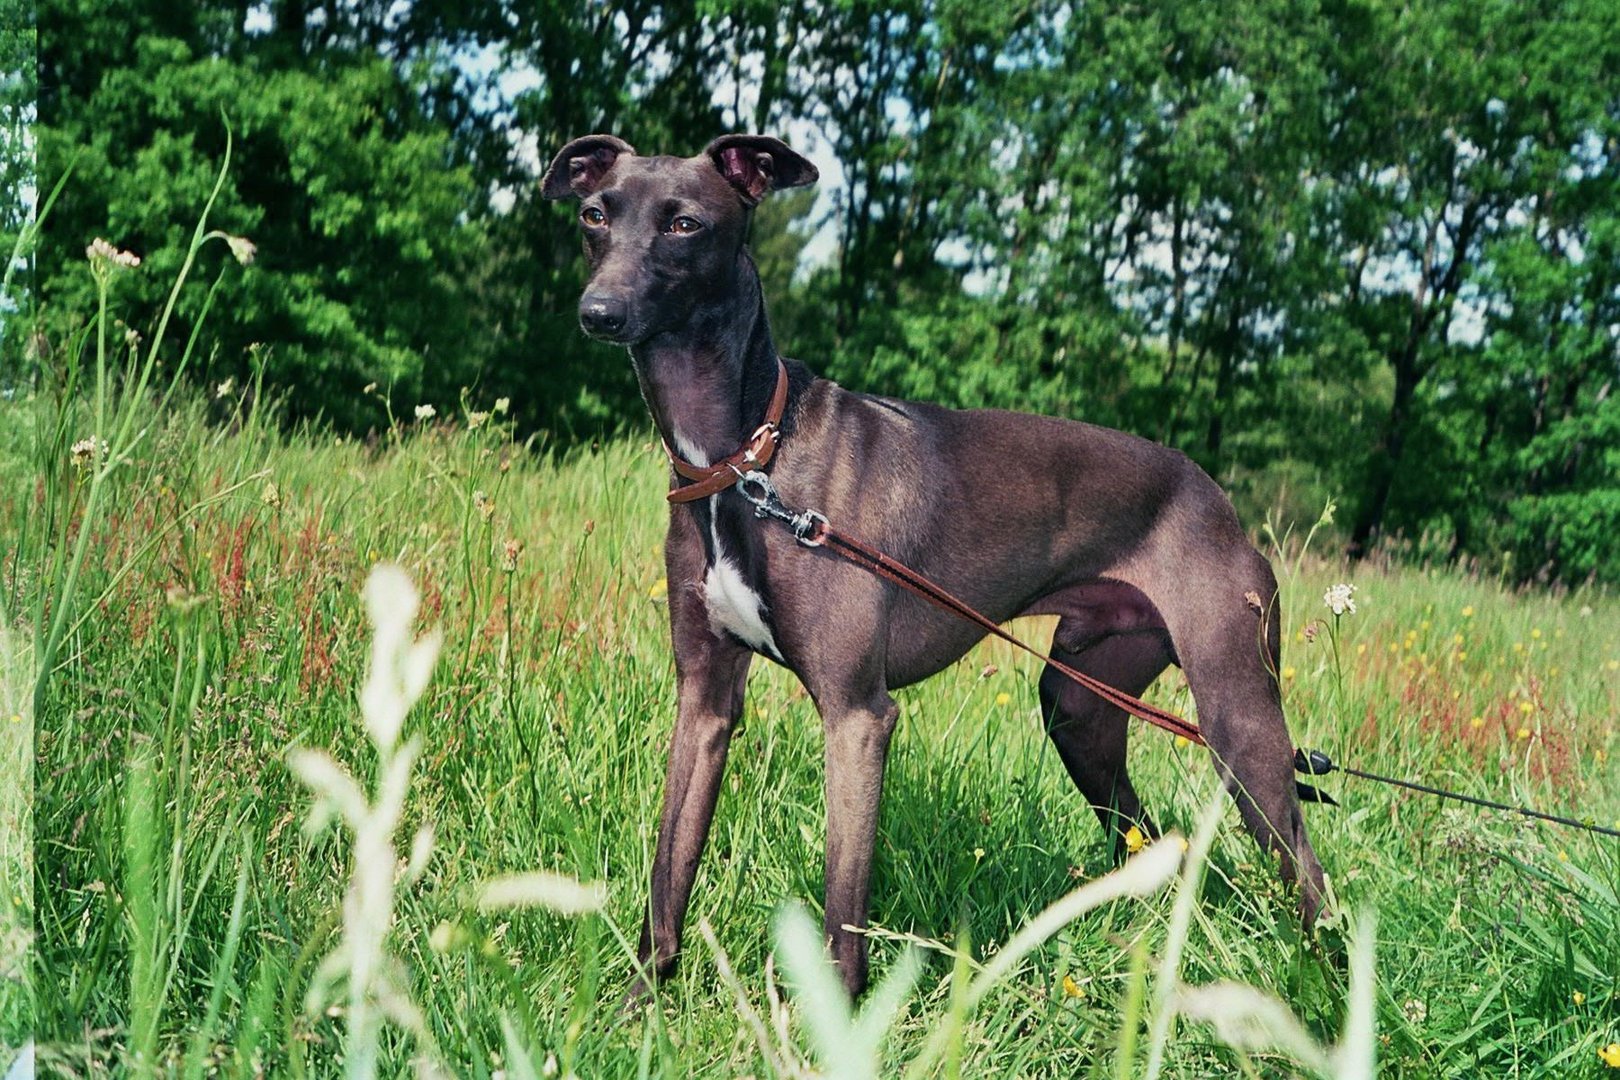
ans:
(756, 164)
(579, 167)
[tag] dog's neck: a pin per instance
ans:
(709, 382)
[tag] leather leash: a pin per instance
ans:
(813, 530)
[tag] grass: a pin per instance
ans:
(183, 647)
(226, 629)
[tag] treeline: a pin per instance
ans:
(1342, 248)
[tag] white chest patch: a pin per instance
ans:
(733, 606)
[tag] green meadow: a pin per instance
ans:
(183, 606)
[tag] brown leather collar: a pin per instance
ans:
(761, 445)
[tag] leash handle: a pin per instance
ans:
(1317, 763)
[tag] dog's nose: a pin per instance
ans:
(602, 314)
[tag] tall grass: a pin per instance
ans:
(183, 607)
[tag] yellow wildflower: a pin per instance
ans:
(1072, 988)
(1610, 1055)
(1578, 997)
(1468, 611)
(1527, 707)
(1477, 722)
(1535, 634)
(1003, 698)
(1134, 840)
(1289, 672)
(1522, 733)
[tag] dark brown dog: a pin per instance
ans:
(1135, 549)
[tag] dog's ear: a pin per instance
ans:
(579, 167)
(756, 164)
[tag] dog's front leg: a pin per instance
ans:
(857, 748)
(710, 675)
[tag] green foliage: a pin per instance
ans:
(18, 89)
(352, 200)
(1324, 248)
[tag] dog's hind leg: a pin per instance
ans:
(1090, 734)
(1223, 622)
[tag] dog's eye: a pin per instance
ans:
(593, 216)
(685, 226)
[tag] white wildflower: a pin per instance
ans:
(421, 852)
(539, 888)
(399, 667)
(225, 388)
(502, 405)
(377, 981)
(1341, 599)
(242, 249)
(426, 412)
(101, 253)
(509, 555)
(87, 450)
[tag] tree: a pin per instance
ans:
(352, 196)
(18, 88)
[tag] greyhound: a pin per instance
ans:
(1135, 549)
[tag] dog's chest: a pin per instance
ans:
(734, 605)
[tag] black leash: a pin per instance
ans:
(811, 529)
(1317, 763)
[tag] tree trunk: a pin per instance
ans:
(1386, 456)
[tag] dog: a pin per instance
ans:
(1135, 549)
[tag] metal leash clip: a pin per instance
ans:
(805, 525)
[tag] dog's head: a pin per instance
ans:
(662, 233)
